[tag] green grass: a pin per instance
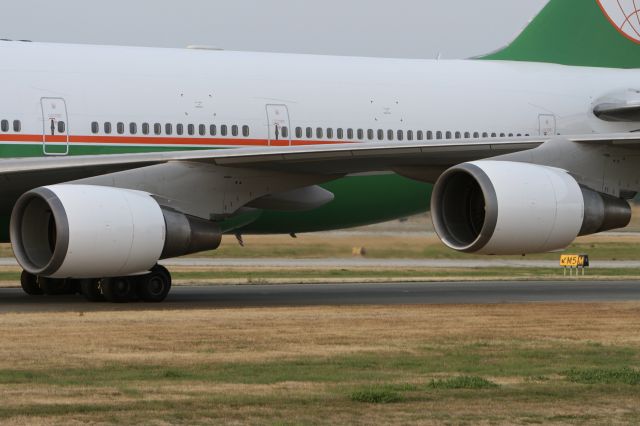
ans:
(462, 382)
(376, 395)
(439, 373)
(262, 276)
(605, 376)
(620, 250)
(465, 363)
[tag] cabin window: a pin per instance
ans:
(349, 133)
(17, 125)
(340, 134)
(390, 135)
(429, 135)
(5, 125)
(285, 132)
(493, 135)
(245, 131)
(409, 135)
(95, 127)
(361, 134)
(107, 128)
(380, 134)
(309, 132)
(519, 135)
(133, 128)
(212, 130)
(458, 135)
(438, 135)
(61, 127)
(400, 135)
(145, 128)
(467, 135)
(419, 135)
(119, 128)
(224, 130)
(202, 130)
(485, 134)
(179, 129)
(191, 129)
(298, 132)
(319, 132)
(157, 128)
(476, 135)
(448, 134)
(510, 135)
(502, 135)
(329, 133)
(168, 129)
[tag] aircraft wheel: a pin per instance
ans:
(119, 289)
(91, 290)
(29, 283)
(55, 287)
(155, 286)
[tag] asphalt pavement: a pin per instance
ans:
(239, 296)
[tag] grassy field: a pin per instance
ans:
(495, 364)
(526, 364)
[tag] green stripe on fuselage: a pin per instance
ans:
(359, 200)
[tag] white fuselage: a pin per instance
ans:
(170, 86)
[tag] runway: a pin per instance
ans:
(240, 296)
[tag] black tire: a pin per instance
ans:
(155, 286)
(55, 287)
(91, 291)
(29, 283)
(119, 289)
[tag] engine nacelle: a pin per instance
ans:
(83, 231)
(501, 207)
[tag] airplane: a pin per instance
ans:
(113, 158)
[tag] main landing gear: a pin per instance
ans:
(152, 287)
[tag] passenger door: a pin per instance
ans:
(55, 126)
(279, 125)
(547, 124)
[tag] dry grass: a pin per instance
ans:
(298, 364)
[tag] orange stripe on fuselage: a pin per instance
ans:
(152, 140)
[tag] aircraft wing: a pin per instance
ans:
(22, 174)
(318, 159)
(623, 140)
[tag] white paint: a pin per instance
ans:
(112, 232)
(121, 84)
(540, 209)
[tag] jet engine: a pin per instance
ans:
(83, 231)
(501, 207)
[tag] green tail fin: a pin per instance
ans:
(596, 33)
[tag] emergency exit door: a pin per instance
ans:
(55, 126)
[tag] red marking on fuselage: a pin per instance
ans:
(160, 141)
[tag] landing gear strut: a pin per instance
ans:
(152, 287)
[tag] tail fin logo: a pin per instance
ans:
(624, 15)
